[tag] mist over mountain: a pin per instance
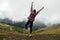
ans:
(36, 24)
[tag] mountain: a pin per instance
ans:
(36, 24)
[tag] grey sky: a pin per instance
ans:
(20, 9)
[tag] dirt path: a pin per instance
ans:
(33, 37)
(6, 35)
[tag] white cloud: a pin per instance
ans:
(20, 9)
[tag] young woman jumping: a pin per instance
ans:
(31, 17)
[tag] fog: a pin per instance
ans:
(19, 10)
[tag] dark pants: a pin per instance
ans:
(31, 24)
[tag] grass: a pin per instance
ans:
(55, 29)
(6, 27)
(16, 33)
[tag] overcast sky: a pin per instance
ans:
(20, 9)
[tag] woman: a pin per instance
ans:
(31, 17)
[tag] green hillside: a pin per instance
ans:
(10, 28)
(55, 29)
(8, 32)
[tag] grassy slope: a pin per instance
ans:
(49, 33)
(55, 29)
(10, 28)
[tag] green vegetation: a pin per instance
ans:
(10, 28)
(54, 29)
(8, 32)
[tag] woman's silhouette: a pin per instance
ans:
(31, 17)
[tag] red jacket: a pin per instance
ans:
(32, 14)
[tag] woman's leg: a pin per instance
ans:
(26, 25)
(31, 24)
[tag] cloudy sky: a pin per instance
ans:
(19, 10)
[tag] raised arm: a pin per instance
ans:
(31, 7)
(40, 10)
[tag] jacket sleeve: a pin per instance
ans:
(40, 10)
(31, 7)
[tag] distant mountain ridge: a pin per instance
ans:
(36, 25)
